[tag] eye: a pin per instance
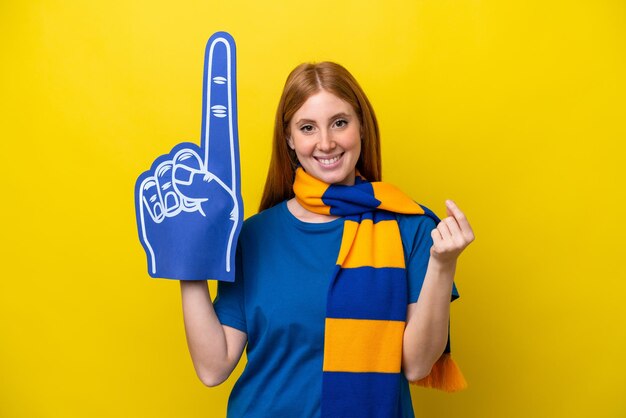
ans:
(306, 129)
(340, 123)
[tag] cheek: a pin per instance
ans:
(304, 143)
(358, 152)
(358, 143)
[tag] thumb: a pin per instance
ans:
(193, 181)
(195, 184)
(189, 177)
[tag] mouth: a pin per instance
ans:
(329, 161)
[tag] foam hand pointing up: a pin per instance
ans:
(188, 205)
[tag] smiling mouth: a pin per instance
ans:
(329, 161)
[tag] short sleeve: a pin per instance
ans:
(229, 302)
(417, 241)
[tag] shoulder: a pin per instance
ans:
(416, 222)
(263, 219)
(264, 225)
(416, 229)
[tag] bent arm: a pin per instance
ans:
(215, 348)
(426, 332)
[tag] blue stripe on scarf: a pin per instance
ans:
(350, 200)
(377, 395)
(365, 292)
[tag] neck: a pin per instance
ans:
(305, 215)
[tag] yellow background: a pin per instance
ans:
(515, 109)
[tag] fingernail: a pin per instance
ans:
(183, 174)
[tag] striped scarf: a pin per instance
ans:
(367, 300)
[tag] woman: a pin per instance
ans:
(343, 286)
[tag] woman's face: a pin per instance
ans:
(326, 136)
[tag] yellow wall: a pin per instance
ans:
(515, 109)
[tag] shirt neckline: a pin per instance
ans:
(310, 226)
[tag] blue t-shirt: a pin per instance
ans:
(278, 299)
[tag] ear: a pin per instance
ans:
(290, 142)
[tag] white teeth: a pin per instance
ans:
(327, 161)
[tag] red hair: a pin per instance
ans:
(303, 82)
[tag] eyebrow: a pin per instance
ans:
(338, 115)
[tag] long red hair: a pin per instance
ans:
(303, 82)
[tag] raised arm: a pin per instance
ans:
(215, 348)
(426, 331)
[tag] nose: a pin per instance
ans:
(326, 141)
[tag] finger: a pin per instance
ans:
(147, 206)
(445, 232)
(453, 210)
(187, 171)
(150, 200)
(192, 182)
(455, 231)
(438, 241)
(436, 236)
(219, 109)
(169, 197)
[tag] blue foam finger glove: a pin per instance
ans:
(188, 205)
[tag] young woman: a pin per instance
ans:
(343, 283)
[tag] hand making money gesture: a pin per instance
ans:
(452, 235)
(188, 205)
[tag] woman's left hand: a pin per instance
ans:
(451, 236)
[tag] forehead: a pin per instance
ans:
(323, 105)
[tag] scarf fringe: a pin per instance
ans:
(445, 375)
